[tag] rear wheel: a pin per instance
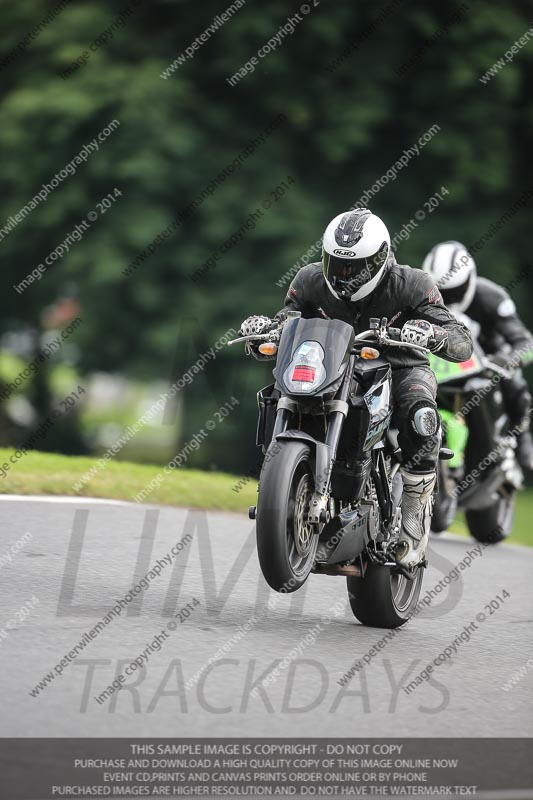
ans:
(493, 524)
(384, 598)
(286, 542)
(445, 500)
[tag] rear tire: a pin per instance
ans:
(384, 598)
(286, 543)
(493, 524)
(445, 501)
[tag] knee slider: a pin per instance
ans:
(425, 420)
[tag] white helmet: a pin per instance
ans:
(355, 250)
(454, 271)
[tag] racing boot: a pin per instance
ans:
(416, 517)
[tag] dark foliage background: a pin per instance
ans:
(345, 127)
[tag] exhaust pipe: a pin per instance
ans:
(348, 570)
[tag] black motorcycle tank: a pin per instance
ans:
(368, 417)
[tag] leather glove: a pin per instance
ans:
(439, 340)
(256, 324)
(423, 333)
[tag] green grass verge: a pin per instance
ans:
(51, 474)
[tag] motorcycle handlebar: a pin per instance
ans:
(496, 368)
(371, 335)
(385, 339)
(255, 336)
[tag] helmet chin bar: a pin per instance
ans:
(343, 289)
(348, 287)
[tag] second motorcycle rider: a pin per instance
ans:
(359, 279)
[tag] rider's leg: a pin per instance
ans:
(517, 402)
(418, 422)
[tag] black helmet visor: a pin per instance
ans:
(455, 295)
(347, 275)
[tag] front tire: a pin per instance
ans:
(286, 542)
(384, 598)
(492, 524)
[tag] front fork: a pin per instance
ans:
(325, 452)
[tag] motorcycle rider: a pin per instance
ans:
(502, 333)
(359, 279)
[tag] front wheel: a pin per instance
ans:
(286, 542)
(384, 598)
(493, 524)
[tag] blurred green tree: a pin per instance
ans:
(351, 110)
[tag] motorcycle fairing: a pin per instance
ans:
(336, 340)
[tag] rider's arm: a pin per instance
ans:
(428, 305)
(509, 325)
(296, 299)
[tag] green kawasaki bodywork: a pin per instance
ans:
(454, 425)
(456, 436)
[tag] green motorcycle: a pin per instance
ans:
(483, 476)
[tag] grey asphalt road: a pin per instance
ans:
(84, 555)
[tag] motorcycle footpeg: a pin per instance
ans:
(410, 574)
(406, 571)
(379, 558)
(445, 454)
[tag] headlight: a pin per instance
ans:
(306, 372)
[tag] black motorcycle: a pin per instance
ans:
(483, 476)
(329, 496)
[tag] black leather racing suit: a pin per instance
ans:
(501, 329)
(402, 294)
